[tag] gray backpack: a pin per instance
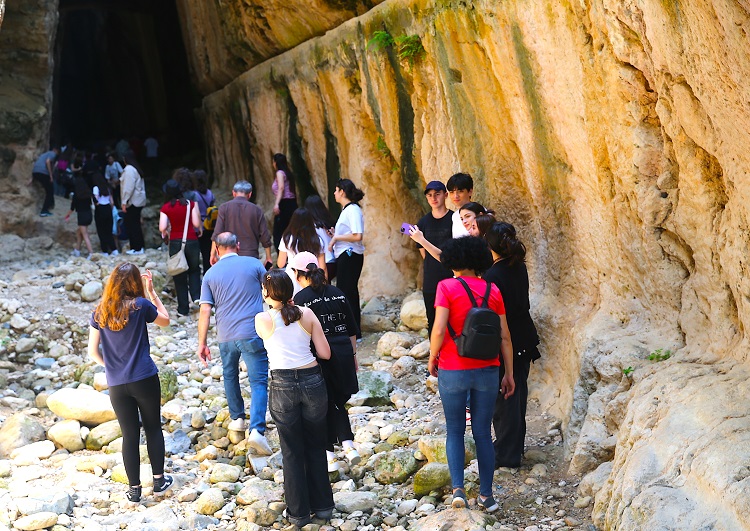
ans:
(480, 337)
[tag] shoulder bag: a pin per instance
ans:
(177, 263)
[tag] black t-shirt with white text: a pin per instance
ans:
(436, 231)
(332, 308)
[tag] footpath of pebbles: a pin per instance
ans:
(401, 482)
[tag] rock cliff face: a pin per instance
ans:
(613, 134)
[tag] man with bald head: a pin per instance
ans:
(233, 288)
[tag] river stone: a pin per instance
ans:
(56, 350)
(168, 382)
(224, 473)
(374, 389)
(100, 381)
(420, 351)
(103, 434)
(19, 430)
(432, 476)
(454, 519)
(210, 501)
(85, 405)
(404, 365)
(119, 475)
(414, 314)
(18, 322)
(5, 468)
(174, 410)
(433, 448)
(406, 507)
(176, 442)
(91, 291)
(390, 340)
(33, 522)
(26, 344)
(260, 490)
(349, 502)
(395, 466)
(32, 452)
(57, 502)
(371, 322)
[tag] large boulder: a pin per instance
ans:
(32, 453)
(19, 430)
(394, 467)
(67, 434)
(391, 340)
(374, 389)
(414, 314)
(455, 519)
(85, 405)
(432, 476)
(103, 434)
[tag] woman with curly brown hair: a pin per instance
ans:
(119, 324)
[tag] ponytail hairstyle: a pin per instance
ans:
(351, 192)
(102, 183)
(279, 287)
(283, 165)
(502, 239)
(314, 274)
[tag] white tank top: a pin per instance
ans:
(289, 346)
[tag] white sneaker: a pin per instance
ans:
(237, 424)
(76, 252)
(115, 252)
(131, 251)
(259, 443)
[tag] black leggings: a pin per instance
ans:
(348, 270)
(127, 400)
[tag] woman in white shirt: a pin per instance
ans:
(103, 214)
(347, 245)
(300, 235)
(298, 400)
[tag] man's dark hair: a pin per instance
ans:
(467, 252)
(460, 181)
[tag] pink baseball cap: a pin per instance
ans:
(302, 260)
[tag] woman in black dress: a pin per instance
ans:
(340, 372)
(508, 273)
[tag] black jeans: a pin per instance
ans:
(429, 306)
(103, 219)
(133, 226)
(298, 402)
(348, 270)
(281, 222)
(49, 190)
(509, 419)
(190, 280)
(127, 400)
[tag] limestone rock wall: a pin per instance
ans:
(613, 134)
(224, 39)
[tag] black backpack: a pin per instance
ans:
(480, 337)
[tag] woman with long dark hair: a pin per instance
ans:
(347, 245)
(133, 197)
(297, 399)
(119, 323)
(284, 191)
(323, 226)
(340, 372)
(459, 376)
(205, 199)
(172, 225)
(103, 214)
(509, 274)
(80, 203)
(299, 236)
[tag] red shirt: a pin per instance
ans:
(452, 295)
(176, 215)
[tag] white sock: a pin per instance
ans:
(330, 455)
(348, 445)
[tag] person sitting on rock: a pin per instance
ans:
(298, 399)
(233, 287)
(119, 324)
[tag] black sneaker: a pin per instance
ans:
(489, 504)
(45, 214)
(163, 484)
(134, 494)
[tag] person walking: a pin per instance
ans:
(298, 398)
(133, 197)
(119, 324)
(80, 203)
(459, 376)
(246, 221)
(172, 218)
(436, 226)
(103, 214)
(42, 173)
(285, 197)
(300, 235)
(509, 274)
(205, 200)
(347, 245)
(324, 226)
(340, 372)
(112, 172)
(233, 287)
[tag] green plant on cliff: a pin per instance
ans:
(382, 147)
(410, 48)
(660, 355)
(627, 371)
(380, 41)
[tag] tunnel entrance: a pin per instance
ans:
(121, 71)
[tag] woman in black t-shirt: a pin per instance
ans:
(331, 307)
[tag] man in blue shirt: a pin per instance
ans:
(233, 287)
(42, 173)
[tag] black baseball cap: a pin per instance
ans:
(435, 185)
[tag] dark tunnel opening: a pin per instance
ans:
(121, 71)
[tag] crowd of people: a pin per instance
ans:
(297, 333)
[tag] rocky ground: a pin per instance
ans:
(219, 484)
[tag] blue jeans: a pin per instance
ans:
(482, 387)
(299, 402)
(256, 359)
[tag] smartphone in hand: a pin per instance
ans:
(405, 228)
